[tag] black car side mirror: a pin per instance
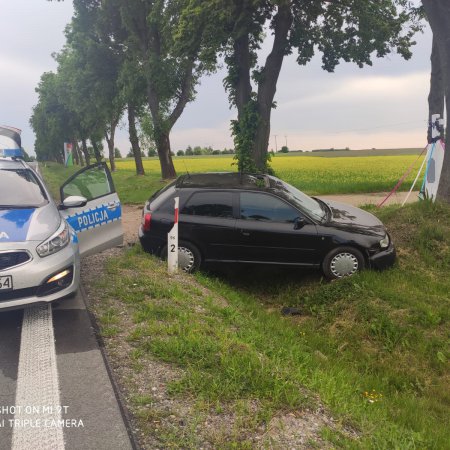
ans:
(299, 222)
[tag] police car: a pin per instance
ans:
(41, 242)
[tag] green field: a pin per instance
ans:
(315, 175)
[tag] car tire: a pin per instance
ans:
(189, 258)
(342, 262)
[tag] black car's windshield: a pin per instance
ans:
(20, 188)
(305, 203)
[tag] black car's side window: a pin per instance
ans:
(210, 204)
(255, 206)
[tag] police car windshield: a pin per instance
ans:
(19, 188)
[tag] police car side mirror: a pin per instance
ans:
(74, 201)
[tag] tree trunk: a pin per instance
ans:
(98, 155)
(134, 140)
(438, 13)
(268, 84)
(242, 63)
(84, 148)
(61, 157)
(162, 142)
(261, 141)
(76, 155)
(436, 96)
(161, 136)
(110, 141)
(79, 154)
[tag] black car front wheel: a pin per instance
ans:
(342, 262)
(189, 257)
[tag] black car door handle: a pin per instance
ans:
(245, 233)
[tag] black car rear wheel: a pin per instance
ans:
(189, 257)
(342, 262)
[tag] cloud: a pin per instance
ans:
(355, 141)
(376, 108)
(386, 89)
(16, 71)
(217, 137)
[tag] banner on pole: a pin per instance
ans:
(172, 242)
(68, 155)
(434, 161)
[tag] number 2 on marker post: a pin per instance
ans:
(172, 242)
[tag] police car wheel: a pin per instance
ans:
(189, 258)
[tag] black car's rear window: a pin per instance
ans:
(20, 188)
(162, 190)
(160, 199)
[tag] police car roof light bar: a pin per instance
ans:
(14, 153)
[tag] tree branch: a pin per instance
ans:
(185, 93)
(271, 71)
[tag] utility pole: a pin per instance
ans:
(285, 139)
(276, 146)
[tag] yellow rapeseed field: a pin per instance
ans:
(314, 175)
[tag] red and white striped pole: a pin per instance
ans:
(172, 242)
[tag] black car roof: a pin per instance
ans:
(228, 180)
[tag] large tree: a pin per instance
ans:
(436, 96)
(52, 121)
(133, 90)
(98, 65)
(170, 75)
(348, 30)
(438, 13)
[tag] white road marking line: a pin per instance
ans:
(37, 392)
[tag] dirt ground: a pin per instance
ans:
(131, 219)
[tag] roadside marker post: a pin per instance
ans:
(172, 243)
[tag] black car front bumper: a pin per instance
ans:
(384, 259)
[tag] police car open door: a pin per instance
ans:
(98, 223)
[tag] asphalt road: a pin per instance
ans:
(55, 391)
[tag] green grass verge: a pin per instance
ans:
(310, 173)
(373, 347)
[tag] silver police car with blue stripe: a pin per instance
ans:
(41, 242)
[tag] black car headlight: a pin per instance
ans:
(56, 242)
(384, 243)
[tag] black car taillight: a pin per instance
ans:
(146, 222)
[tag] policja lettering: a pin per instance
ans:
(93, 218)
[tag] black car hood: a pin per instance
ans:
(347, 217)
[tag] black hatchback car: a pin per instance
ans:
(260, 219)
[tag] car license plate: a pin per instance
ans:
(6, 283)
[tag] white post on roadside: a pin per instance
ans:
(172, 243)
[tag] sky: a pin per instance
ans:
(383, 106)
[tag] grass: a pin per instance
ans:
(314, 175)
(373, 348)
